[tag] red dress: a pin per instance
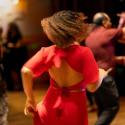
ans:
(64, 106)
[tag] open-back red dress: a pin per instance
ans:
(64, 106)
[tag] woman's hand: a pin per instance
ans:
(30, 107)
(121, 20)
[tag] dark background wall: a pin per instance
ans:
(90, 7)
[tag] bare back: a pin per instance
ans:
(65, 75)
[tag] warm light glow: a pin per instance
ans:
(6, 6)
(15, 2)
(5, 3)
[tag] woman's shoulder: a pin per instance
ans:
(48, 48)
(46, 51)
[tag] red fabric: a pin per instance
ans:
(60, 107)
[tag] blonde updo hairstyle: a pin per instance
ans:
(65, 27)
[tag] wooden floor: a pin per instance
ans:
(16, 102)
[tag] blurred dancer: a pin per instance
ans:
(14, 57)
(101, 41)
(65, 101)
(3, 96)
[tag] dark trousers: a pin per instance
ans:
(107, 100)
(13, 60)
(90, 98)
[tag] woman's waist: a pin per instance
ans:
(78, 87)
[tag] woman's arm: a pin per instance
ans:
(102, 75)
(92, 87)
(27, 79)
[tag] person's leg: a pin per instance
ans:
(91, 102)
(106, 116)
(3, 110)
(8, 65)
(19, 80)
(8, 79)
(90, 98)
(107, 100)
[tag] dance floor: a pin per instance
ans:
(16, 101)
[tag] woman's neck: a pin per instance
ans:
(68, 45)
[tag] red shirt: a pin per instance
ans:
(101, 41)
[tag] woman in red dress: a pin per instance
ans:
(72, 69)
